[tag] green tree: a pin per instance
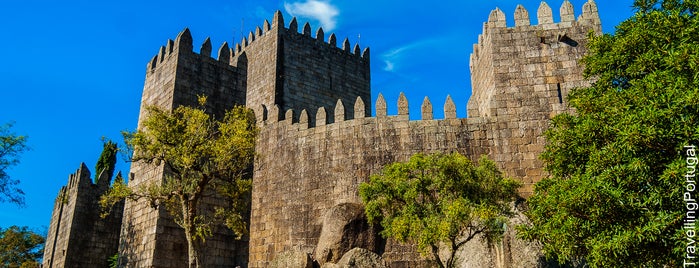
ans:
(202, 158)
(20, 247)
(439, 198)
(107, 159)
(11, 145)
(614, 197)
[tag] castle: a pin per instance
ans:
(317, 140)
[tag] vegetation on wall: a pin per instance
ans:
(107, 159)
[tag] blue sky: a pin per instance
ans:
(72, 71)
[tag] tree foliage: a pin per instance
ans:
(107, 159)
(614, 197)
(20, 247)
(202, 158)
(439, 198)
(11, 146)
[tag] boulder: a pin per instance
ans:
(292, 259)
(361, 258)
(345, 227)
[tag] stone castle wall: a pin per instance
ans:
(521, 76)
(261, 70)
(77, 235)
(317, 142)
(301, 171)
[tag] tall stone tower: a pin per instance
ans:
(296, 71)
(521, 75)
(272, 70)
(78, 236)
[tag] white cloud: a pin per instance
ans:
(396, 55)
(321, 11)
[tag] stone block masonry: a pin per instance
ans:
(77, 235)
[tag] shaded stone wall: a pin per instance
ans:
(177, 76)
(297, 71)
(78, 236)
(316, 73)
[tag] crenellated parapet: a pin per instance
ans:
(544, 16)
(277, 27)
(273, 115)
(536, 64)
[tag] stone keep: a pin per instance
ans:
(318, 142)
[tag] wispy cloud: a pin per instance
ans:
(393, 57)
(322, 11)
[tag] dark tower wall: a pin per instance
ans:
(78, 236)
(298, 71)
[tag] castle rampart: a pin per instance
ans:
(303, 170)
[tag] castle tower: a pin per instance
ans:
(77, 235)
(273, 69)
(299, 71)
(534, 63)
(176, 76)
(521, 76)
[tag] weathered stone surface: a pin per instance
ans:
(360, 258)
(292, 259)
(510, 252)
(344, 227)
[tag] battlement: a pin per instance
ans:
(277, 26)
(274, 114)
(544, 16)
(230, 54)
(533, 65)
(81, 179)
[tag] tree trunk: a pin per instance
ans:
(435, 254)
(192, 249)
(452, 254)
(188, 214)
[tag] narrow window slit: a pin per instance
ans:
(560, 96)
